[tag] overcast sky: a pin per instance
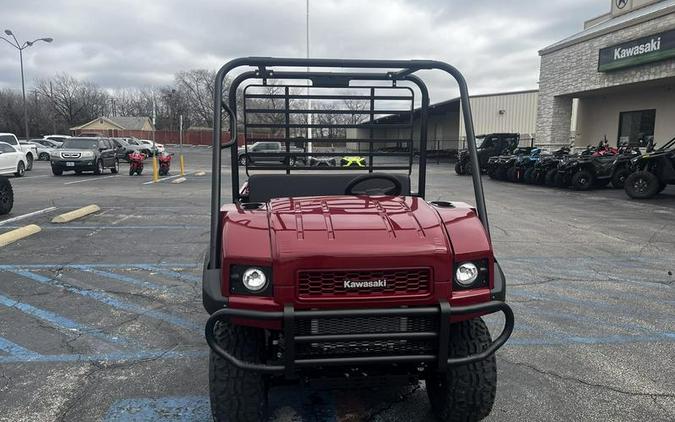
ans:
(135, 43)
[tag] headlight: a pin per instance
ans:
(472, 275)
(466, 274)
(87, 154)
(254, 279)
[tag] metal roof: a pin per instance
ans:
(635, 17)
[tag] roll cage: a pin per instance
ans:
(372, 76)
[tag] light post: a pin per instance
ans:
(22, 47)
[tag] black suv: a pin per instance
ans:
(85, 154)
(488, 146)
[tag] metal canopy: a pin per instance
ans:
(371, 82)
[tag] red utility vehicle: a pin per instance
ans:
(348, 274)
(164, 163)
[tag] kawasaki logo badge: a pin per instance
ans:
(348, 284)
(653, 45)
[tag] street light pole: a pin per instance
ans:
(22, 47)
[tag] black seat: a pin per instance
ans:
(263, 187)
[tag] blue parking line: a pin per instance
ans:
(15, 351)
(171, 273)
(104, 357)
(307, 406)
(13, 267)
(112, 301)
(166, 409)
(58, 321)
(123, 278)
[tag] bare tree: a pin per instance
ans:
(75, 101)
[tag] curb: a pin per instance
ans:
(73, 215)
(18, 234)
(179, 180)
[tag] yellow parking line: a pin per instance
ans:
(18, 234)
(78, 213)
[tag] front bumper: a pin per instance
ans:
(84, 165)
(288, 362)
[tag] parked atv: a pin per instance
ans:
(652, 172)
(500, 167)
(488, 146)
(524, 166)
(622, 167)
(569, 165)
(543, 171)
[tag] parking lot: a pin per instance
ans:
(101, 318)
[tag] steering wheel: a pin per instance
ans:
(395, 190)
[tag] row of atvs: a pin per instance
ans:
(641, 175)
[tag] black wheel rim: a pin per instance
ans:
(640, 185)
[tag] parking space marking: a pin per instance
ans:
(131, 266)
(90, 180)
(165, 178)
(103, 357)
(15, 351)
(124, 279)
(63, 323)
(111, 300)
(30, 214)
(174, 409)
(174, 274)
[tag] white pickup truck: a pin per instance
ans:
(30, 150)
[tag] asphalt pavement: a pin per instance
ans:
(101, 318)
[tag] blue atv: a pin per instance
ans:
(522, 165)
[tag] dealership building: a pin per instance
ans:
(618, 75)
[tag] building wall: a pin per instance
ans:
(599, 115)
(519, 114)
(569, 72)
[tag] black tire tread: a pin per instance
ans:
(237, 395)
(466, 392)
(6, 196)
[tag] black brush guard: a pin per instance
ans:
(289, 316)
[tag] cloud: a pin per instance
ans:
(131, 43)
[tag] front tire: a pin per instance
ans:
(29, 162)
(6, 196)
(582, 180)
(237, 395)
(243, 160)
(43, 156)
(619, 178)
(20, 169)
(116, 167)
(549, 178)
(458, 169)
(99, 167)
(642, 185)
(57, 171)
(465, 392)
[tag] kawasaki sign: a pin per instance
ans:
(632, 53)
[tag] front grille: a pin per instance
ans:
(335, 284)
(365, 325)
(71, 154)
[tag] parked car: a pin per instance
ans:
(48, 143)
(43, 152)
(151, 149)
(488, 146)
(30, 150)
(12, 160)
(60, 139)
(85, 154)
(256, 153)
(652, 172)
(6, 196)
(126, 147)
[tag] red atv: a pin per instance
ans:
(136, 163)
(346, 275)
